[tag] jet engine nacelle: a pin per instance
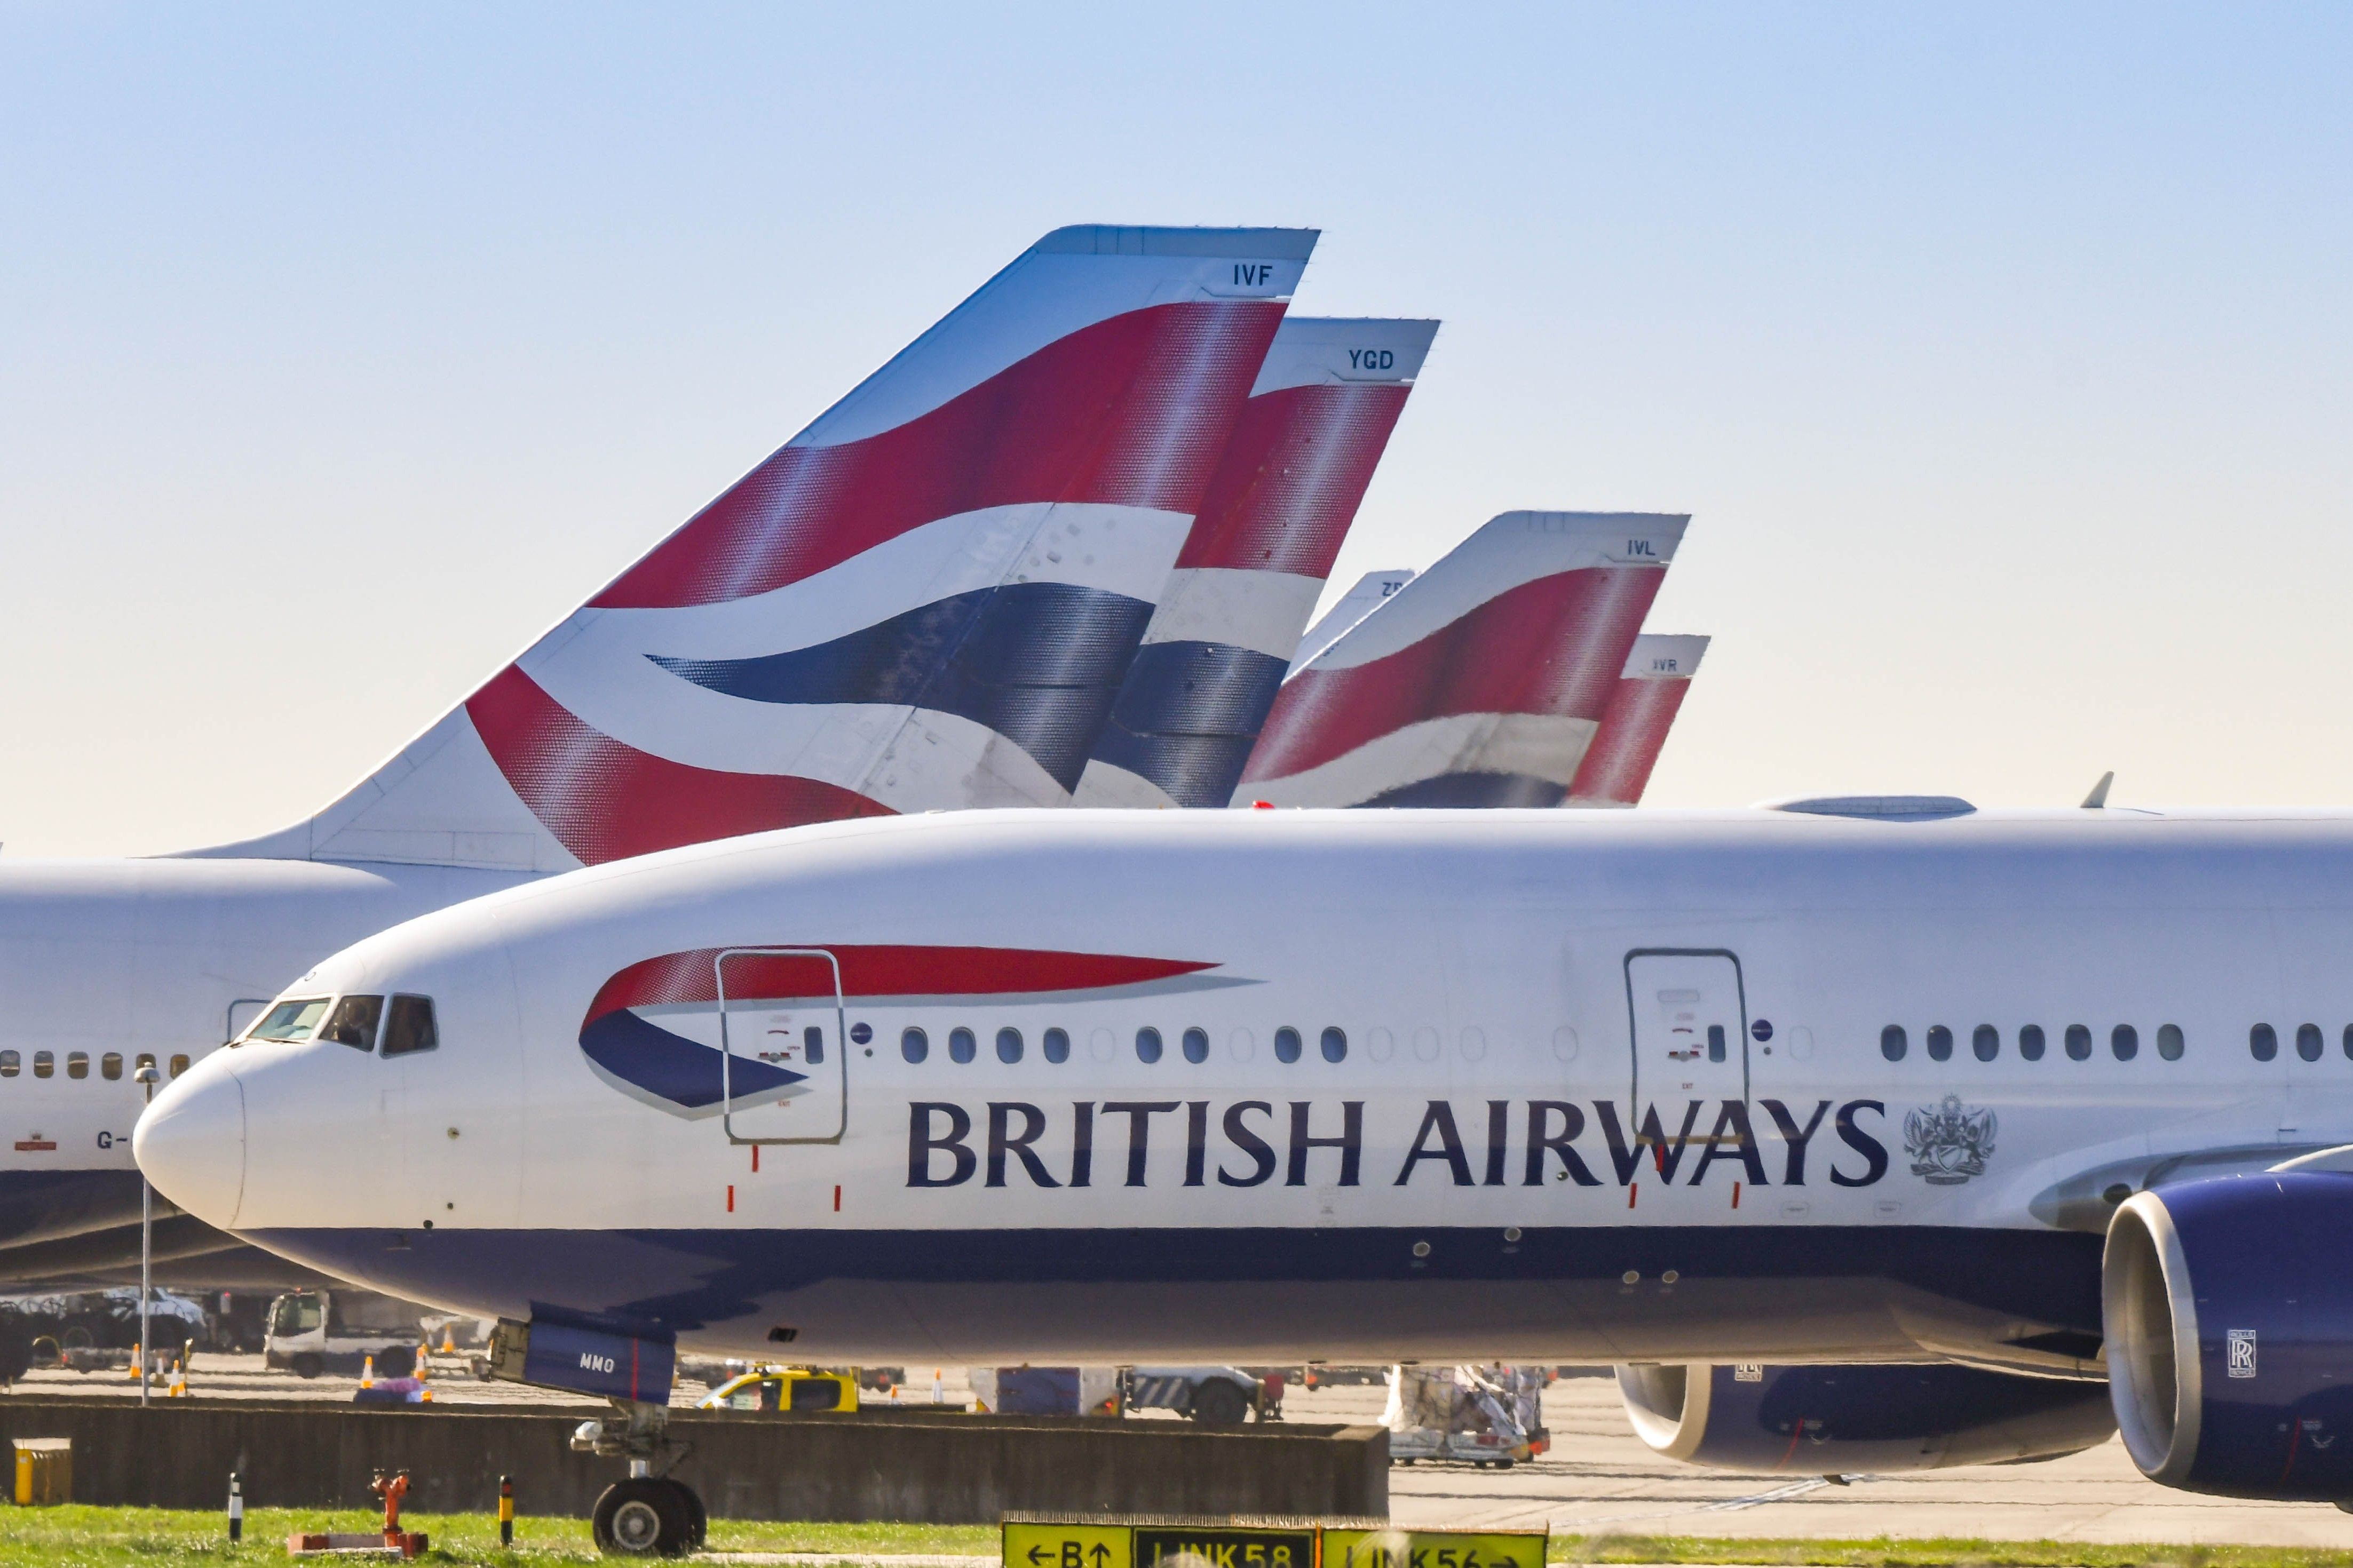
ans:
(1821, 1420)
(2229, 1314)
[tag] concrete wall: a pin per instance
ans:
(941, 1470)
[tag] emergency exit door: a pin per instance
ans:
(784, 1046)
(1690, 1024)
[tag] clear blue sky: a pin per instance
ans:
(2000, 352)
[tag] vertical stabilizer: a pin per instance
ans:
(1351, 607)
(1479, 683)
(1617, 766)
(1285, 492)
(926, 599)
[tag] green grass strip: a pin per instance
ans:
(78, 1536)
(1889, 1551)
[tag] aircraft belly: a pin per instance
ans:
(1760, 1293)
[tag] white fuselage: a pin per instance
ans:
(1613, 1085)
(104, 962)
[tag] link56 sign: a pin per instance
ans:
(1430, 1549)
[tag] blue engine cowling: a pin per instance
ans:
(1821, 1420)
(2229, 1321)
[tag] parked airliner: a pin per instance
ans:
(926, 599)
(2038, 1098)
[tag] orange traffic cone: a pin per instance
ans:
(424, 1371)
(138, 1360)
(450, 1339)
(368, 1373)
(179, 1389)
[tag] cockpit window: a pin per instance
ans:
(353, 1022)
(410, 1026)
(288, 1021)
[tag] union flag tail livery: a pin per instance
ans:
(1285, 492)
(924, 600)
(1617, 766)
(1480, 683)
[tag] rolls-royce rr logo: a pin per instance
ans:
(1947, 1142)
(2239, 1351)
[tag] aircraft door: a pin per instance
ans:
(1689, 1022)
(784, 1042)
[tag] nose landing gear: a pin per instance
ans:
(649, 1514)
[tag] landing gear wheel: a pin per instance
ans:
(1218, 1403)
(698, 1522)
(642, 1516)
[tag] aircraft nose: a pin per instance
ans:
(191, 1143)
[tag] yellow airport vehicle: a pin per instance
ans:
(785, 1389)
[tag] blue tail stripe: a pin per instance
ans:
(1187, 716)
(1487, 791)
(1039, 663)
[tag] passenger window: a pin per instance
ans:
(1940, 1043)
(1715, 1042)
(1148, 1045)
(1008, 1046)
(77, 1064)
(2349, 1039)
(2262, 1042)
(353, 1022)
(1986, 1042)
(1056, 1044)
(409, 1027)
(11, 1064)
(2307, 1042)
(44, 1065)
(1286, 1044)
(2079, 1043)
(963, 1043)
(286, 1021)
(110, 1066)
(1197, 1045)
(2030, 1042)
(2170, 1042)
(914, 1044)
(179, 1066)
(813, 1044)
(2125, 1041)
(1335, 1046)
(1892, 1044)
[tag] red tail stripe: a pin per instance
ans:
(605, 801)
(876, 971)
(1291, 478)
(1551, 646)
(1129, 411)
(1617, 766)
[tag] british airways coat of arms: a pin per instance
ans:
(1947, 1142)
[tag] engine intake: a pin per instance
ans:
(1818, 1420)
(2229, 1316)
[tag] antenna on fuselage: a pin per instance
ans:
(2098, 798)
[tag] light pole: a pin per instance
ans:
(146, 1077)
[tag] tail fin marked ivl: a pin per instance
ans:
(1479, 683)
